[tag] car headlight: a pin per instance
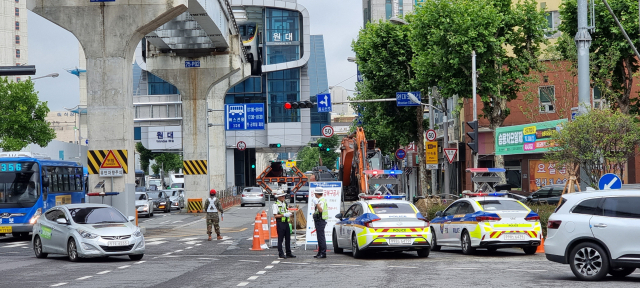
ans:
(86, 234)
(137, 233)
(35, 216)
(163, 203)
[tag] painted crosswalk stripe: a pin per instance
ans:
(139, 262)
(103, 272)
(85, 277)
(243, 284)
(59, 284)
(261, 272)
(125, 266)
(253, 278)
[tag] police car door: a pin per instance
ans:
(443, 237)
(344, 226)
(456, 226)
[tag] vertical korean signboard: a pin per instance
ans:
(333, 194)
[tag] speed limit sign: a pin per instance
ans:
(431, 135)
(327, 131)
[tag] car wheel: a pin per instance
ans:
(423, 252)
(466, 244)
(434, 241)
(37, 248)
(530, 250)
(355, 250)
(136, 257)
(621, 272)
(336, 249)
(72, 250)
(589, 262)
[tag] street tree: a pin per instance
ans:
(506, 36)
(612, 61)
(309, 157)
(169, 161)
(600, 142)
(22, 116)
(384, 55)
(145, 157)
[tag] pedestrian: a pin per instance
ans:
(320, 217)
(213, 206)
(281, 212)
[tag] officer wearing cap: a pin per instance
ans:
(212, 206)
(320, 217)
(281, 213)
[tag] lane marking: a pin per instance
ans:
(268, 267)
(103, 272)
(178, 251)
(207, 258)
(85, 277)
(125, 266)
(275, 262)
(253, 278)
(302, 263)
(405, 267)
(174, 222)
(168, 253)
(139, 262)
(59, 284)
(198, 244)
(526, 270)
(463, 268)
(261, 272)
(344, 265)
(254, 261)
(243, 284)
(189, 247)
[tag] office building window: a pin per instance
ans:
(250, 90)
(283, 86)
(17, 11)
(17, 53)
(281, 54)
(158, 86)
(283, 36)
(388, 9)
(547, 96)
(17, 25)
(17, 39)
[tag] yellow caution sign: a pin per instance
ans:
(116, 159)
(194, 167)
(431, 151)
(291, 164)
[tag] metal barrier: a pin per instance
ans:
(194, 205)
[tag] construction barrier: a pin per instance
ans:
(265, 226)
(194, 205)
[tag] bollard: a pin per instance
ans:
(136, 217)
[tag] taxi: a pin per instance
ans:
(381, 223)
(486, 220)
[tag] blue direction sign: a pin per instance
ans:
(244, 116)
(192, 64)
(609, 181)
(324, 103)
(400, 154)
(404, 99)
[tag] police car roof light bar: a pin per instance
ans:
(383, 172)
(372, 197)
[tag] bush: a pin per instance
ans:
(544, 211)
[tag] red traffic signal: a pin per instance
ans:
(287, 105)
(298, 105)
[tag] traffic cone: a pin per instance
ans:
(541, 246)
(274, 230)
(257, 241)
(265, 226)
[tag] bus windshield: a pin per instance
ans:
(19, 184)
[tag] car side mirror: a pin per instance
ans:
(131, 218)
(339, 216)
(439, 214)
(62, 221)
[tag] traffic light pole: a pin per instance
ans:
(474, 84)
(434, 175)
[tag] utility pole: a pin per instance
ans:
(434, 176)
(474, 81)
(445, 144)
(583, 42)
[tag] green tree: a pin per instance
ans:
(600, 142)
(307, 158)
(506, 37)
(145, 156)
(22, 116)
(169, 161)
(612, 61)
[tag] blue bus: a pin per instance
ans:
(30, 184)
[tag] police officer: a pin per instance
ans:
(320, 217)
(212, 206)
(282, 215)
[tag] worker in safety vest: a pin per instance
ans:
(281, 212)
(320, 217)
(212, 206)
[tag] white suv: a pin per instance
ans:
(596, 233)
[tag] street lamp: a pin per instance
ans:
(398, 21)
(351, 59)
(52, 75)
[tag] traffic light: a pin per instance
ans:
(17, 70)
(315, 144)
(253, 166)
(473, 135)
(275, 145)
(298, 105)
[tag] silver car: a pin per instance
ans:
(252, 195)
(144, 204)
(87, 230)
(176, 196)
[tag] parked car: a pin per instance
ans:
(87, 230)
(160, 200)
(303, 194)
(176, 197)
(144, 205)
(596, 233)
(548, 194)
(252, 195)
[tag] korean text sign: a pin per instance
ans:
(245, 116)
(333, 194)
(529, 138)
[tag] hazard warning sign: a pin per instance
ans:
(110, 161)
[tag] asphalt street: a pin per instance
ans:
(178, 255)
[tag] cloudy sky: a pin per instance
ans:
(53, 49)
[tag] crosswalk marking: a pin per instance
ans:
(14, 245)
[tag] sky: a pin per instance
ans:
(55, 50)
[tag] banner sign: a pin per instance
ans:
(543, 173)
(523, 139)
(333, 194)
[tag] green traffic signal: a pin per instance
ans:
(319, 144)
(328, 149)
(279, 145)
(253, 166)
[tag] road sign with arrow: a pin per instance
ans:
(609, 181)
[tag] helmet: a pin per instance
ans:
(212, 192)
(319, 190)
(279, 193)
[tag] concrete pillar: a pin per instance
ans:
(109, 33)
(194, 86)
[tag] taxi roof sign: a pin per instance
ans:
(110, 161)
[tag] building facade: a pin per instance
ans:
(13, 34)
(65, 124)
(376, 10)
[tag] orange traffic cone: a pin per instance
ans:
(274, 230)
(265, 226)
(263, 235)
(257, 241)
(541, 246)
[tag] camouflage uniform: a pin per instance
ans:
(212, 217)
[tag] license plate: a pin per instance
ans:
(400, 241)
(514, 237)
(5, 229)
(117, 243)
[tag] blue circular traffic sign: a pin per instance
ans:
(609, 181)
(400, 154)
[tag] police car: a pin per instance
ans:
(382, 223)
(486, 220)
